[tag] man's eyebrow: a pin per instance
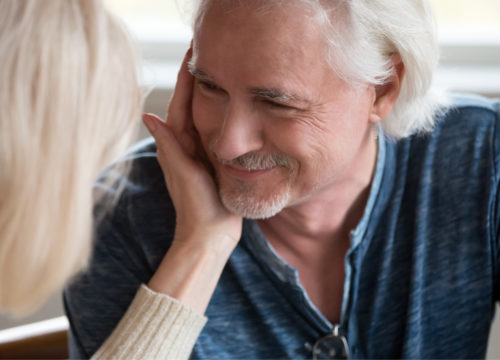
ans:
(198, 73)
(274, 94)
(280, 95)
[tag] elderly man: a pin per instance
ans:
(321, 202)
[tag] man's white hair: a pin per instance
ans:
(363, 37)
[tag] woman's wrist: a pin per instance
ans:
(191, 269)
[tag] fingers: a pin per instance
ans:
(169, 149)
(179, 109)
(187, 180)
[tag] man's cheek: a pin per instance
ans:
(204, 116)
(196, 111)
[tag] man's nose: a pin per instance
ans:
(240, 133)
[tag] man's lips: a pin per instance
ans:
(242, 173)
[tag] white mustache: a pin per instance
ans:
(252, 161)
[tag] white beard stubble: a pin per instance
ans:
(245, 202)
(243, 198)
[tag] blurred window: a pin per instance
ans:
(467, 20)
(458, 19)
(469, 35)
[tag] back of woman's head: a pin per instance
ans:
(69, 100)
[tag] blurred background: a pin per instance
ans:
(469, 36)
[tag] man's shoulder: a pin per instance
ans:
(467, 118)
(463, 144)
(142, 218)
(467, 111)
(142, 162)
(137, 171)
(135, 184)
(471, 101)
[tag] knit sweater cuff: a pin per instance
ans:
(154, 326)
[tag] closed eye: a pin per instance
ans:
(208, 86)
(278, 105)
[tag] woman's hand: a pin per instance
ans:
(206, 232)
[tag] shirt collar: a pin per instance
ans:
(359, 232)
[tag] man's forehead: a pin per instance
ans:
(282, 60)
(262, 19)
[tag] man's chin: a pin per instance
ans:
(251, 207)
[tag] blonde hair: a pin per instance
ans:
(69, 104)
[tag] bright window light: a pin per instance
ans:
(465, 19)
(469, 36)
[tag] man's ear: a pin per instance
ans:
(387, 94)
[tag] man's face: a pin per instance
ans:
(278, 125)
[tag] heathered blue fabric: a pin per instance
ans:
(422, 274)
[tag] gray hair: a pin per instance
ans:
(363, 36)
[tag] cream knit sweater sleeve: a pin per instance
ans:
(155, 326)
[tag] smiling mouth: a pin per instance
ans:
(243, 173)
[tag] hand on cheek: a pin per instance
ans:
(206, 233)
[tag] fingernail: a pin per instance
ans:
(149, 122)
